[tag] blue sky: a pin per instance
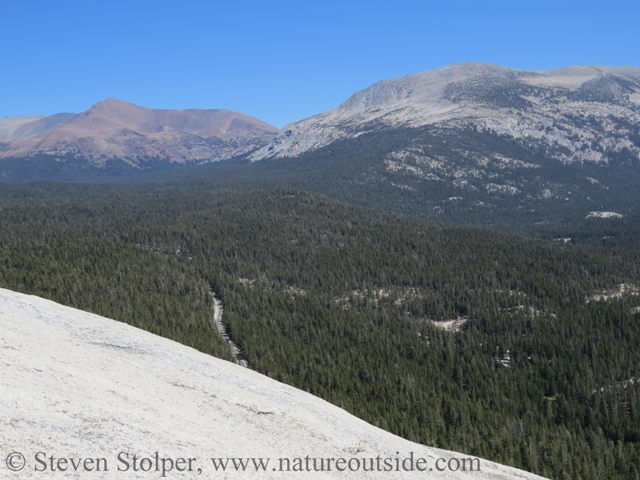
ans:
(282, 61)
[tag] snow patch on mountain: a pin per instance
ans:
(604, 215)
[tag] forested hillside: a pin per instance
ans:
(443, 174)
(522, 351)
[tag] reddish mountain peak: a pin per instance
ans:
(112, 100)
(116, 109)
(119, 129)
(111, 104)
(112, 113)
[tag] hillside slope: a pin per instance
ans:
(476, 144)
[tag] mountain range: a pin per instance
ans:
(469, 141)
(580, 114)
(116, 130)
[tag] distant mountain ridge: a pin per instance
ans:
(474, 143)
(471, 131)
(579, 112)
(113, 129)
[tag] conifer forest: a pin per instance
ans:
(519, 348)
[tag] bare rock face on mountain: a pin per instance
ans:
(89, 396)
(113, 129)
(478, 144)
(577, 114)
